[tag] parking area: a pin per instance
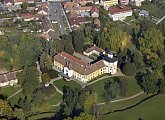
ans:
(82, 57)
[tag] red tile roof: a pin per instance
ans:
(72, 58)
(26, 15)
(44, 4)
(118, 9)
(94, 9)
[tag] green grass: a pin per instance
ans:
(41, 116)
(55, 99)
(14, 99)
(60, 84)
(121, 104)
(153, 10)
(152, 109)
(133, 87)
(9, 90)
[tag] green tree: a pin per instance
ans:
(138, 60)
(111, 90)
(90, 100)
(113, 38)
(129, 69)
(149, 83)
(29, 80)
(85, 116)
(161, 85)
(19, 113)
(151, 42)
(45, 78)
(25, 5)
(5, 108)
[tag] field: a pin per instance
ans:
(152, 109)
(133, 87)
(60, 84)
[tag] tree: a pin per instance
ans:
(19, 113)
(25, 5)
(83, 116)
(151, 42)
(138, 60)
(45, 78)
(111, 90)
(129, 69)
(5, 108)
(113, 38)
(161, 85)
(122, 85)
(78, 39)
(149, 83)
(24, 103)
(89, 101)
(29, 80)
(157, 64)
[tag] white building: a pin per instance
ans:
(120, 12)
(8, 79)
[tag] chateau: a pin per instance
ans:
(74, 68)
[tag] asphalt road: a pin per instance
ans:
(55, 14)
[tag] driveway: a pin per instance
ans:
(55, 14)
(82, 57)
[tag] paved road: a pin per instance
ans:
(123, 99)
(55, 14)
(160, 20)
(51, 82)
(82, 57)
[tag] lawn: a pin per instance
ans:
(152, 109)
(133, 87)
(55, 99)
(14, 99)
(41, 116)
(153, 10)
(9, 90)
(60, 84)
(121, 104)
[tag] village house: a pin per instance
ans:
(108, 3)
(123, 2)
(94, 12)
(42, 10)
(137, 2)
(84, 2)
(8, 2)
(74, 68)
(8, 79)
(19, 2)
(93, 50)
(119, 12)
(49, 33)
(27, 17)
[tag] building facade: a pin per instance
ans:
(74, 68)
(8, 79)
(120, 12)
